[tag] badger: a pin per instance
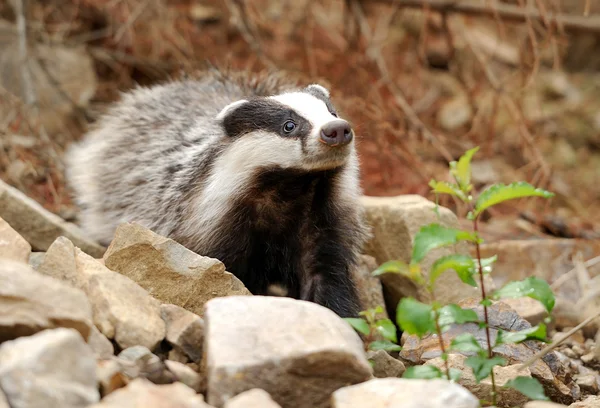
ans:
(258, 172)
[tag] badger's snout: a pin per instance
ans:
(336, 133)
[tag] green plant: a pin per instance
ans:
(371, 326)
(415, 317)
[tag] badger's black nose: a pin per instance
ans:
(336, 133)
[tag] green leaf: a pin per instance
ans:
(415, 317)
(384, 345)
(434, 236)
(425, 372)
(455, 374)
(443, 187)
(499, 193)
(461, 170)
(452, 313)
(533, 333)
(482, 366)
(528, 386)
(462, 264)
(466, 343)
(486, 263)
(359, 325)
(533, 287)
(411, 271)
(387, 329)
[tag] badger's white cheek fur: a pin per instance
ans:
(233, 170)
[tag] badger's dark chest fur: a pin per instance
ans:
(280, 228)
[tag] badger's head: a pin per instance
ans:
(298, 130)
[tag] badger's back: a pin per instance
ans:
(149, 150)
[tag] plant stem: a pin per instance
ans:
(485, 310)
(438, 329)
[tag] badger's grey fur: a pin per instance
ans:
(208, 163)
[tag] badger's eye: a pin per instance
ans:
(289, 126)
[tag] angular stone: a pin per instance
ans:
(12, 245)
(185, 374)
(592, 401)
(141, 393)
(385, 365)
(297, 351)
(369, 288)
(507, 397)
(39, 226)
(122, 310)
(528, 308)
(147, 365)
(397, 392)
(52, 368)
(31, 302)
(254, 398)
(185, 330)
(588, 383)
(395, 221)
(102, 347)
(167, 270)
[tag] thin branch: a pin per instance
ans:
(509, 12)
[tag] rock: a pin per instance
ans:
(588, 383)
(528, 308)
(369, 287)
(178, 355)
(590, 402)
(36, 259)
(455, 113)
(52, 368)
(39, 226)
(31, 302)
(185, 374)
(397, 392)
(548, 370)
(507, 397)
(185, 330)
(109, 375)
(385, 365)
(543, 404)
(297, 351)
(588, 358)
(395, 221)
(141, 393)
(12, 245)
(254, 398)
(3, 400)
(102, 347)
(147, 365)
(122, 310)
(169, 271)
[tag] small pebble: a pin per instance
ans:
(588, 358)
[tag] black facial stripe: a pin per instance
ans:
(265, 114)
(321, 96)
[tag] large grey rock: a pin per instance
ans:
(141, 393)
(297, 351)
(395, 221)
(397, 392)
(185, 330)
(385, 365)
(53, 368)
(31, 302)
(122, 310)
(12, 245)
(255, 398)
(39, 226)
(169, 271)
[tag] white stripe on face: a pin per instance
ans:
(312, 109)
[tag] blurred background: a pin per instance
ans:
(421, 81)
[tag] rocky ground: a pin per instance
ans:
(147, 323)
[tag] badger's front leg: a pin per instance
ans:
(328, 281)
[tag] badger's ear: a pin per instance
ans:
(316, 88)
(229, 109)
